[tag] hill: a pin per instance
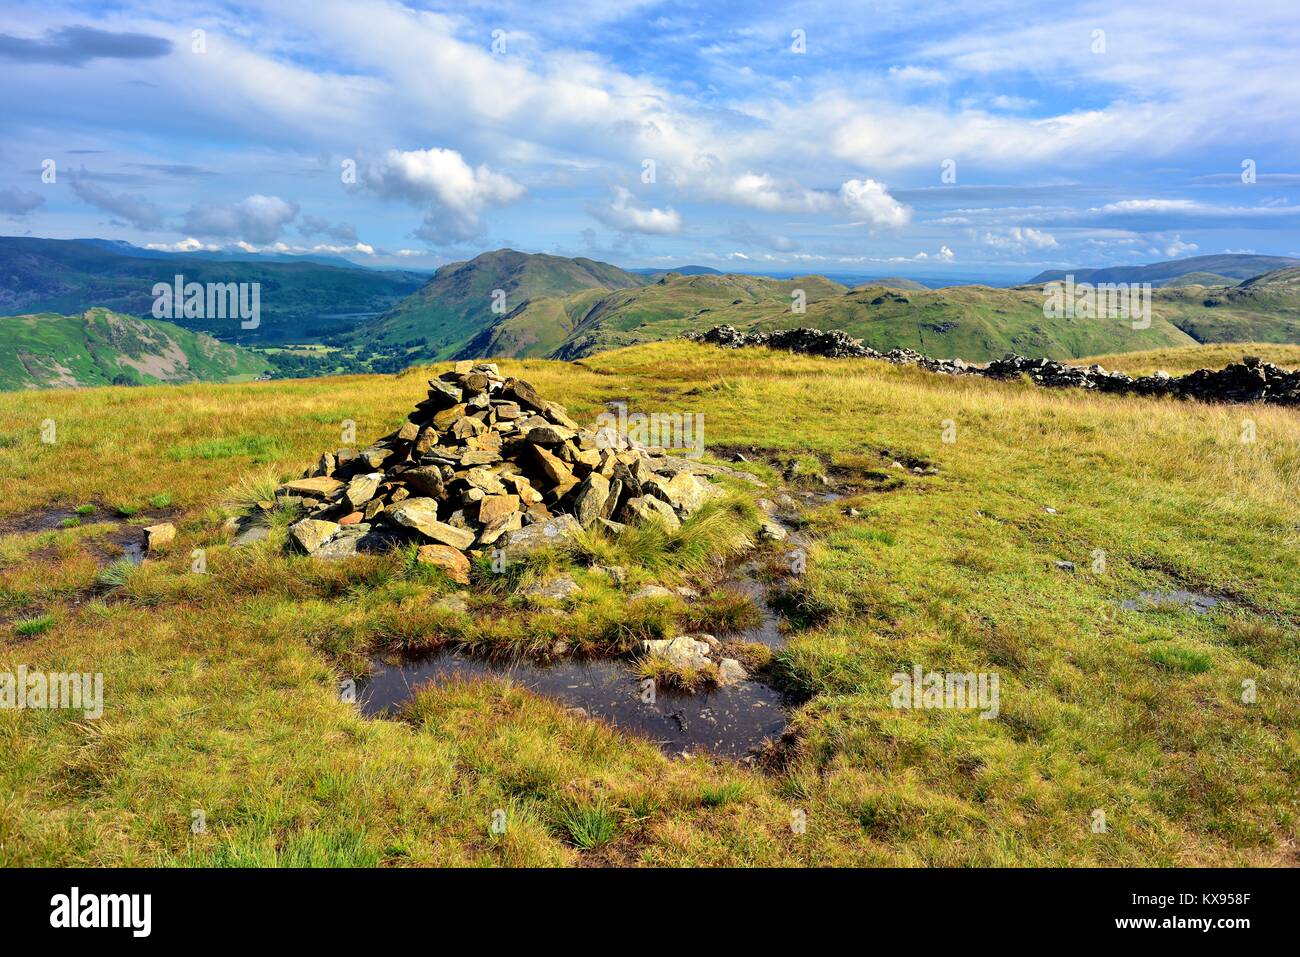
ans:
(892, 282)
(675, 304)
(1233, 265)
(299, 300)
(101, 347)
(455, 307)
(1106, 700)
(1199, 279)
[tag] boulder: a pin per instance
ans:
(451, 561)
(312, 533)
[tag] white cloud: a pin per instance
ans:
(187, 245)
(1020, 239)
(256, 219)
(870, 200)
(458, 194)
(1178, 248)
(625, 214)
(762, 191)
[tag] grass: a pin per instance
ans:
(29, 627)
(221, 689)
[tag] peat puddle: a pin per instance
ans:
(732, 721)
(120, 539)
(728, 721)
(1197, 603)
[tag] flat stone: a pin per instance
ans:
(683, 651)
(730, 672)
(497, 508)
(421, 514)
(647, 508)
(651, 591)
(772, 532)
(543, 534)
(353, 518)
(321, 486)
(451, 561)
(156, 536)
(557, 589)
(362, 489)
(312, 533)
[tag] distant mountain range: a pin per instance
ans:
(568, 308)
(510, 303)
(101, 347)
(1207, 270)
(300, 299)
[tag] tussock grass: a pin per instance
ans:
(221, 690)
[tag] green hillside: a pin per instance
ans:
(675, 304)
(102, 347)
(299, 300)
(456, 306)
(1200, 279)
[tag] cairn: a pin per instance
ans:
(485, 462)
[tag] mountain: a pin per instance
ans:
(299, 300)
(101, 347)
(546, 320)
(1235, 266)
(654, 273)
(893, 282)
(456, 306)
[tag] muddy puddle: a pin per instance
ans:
(731, 722)
(727, 721)
(1195, 602)
(112, 536)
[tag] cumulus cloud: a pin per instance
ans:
(187, 245)
(870, 200)
(625, 214)
(124, 208)
(1178, 248)
(19, 202)
(762, 191)
(1021, 238)
(457, 193)
(255, 219)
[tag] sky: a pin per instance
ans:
(923, 138)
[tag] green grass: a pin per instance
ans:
(588, 825)
(222, 688)
(28, 627)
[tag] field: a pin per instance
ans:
(1181, 729)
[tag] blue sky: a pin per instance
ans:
(919, 138)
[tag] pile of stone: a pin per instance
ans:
(485, 463)
(1250, 380)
